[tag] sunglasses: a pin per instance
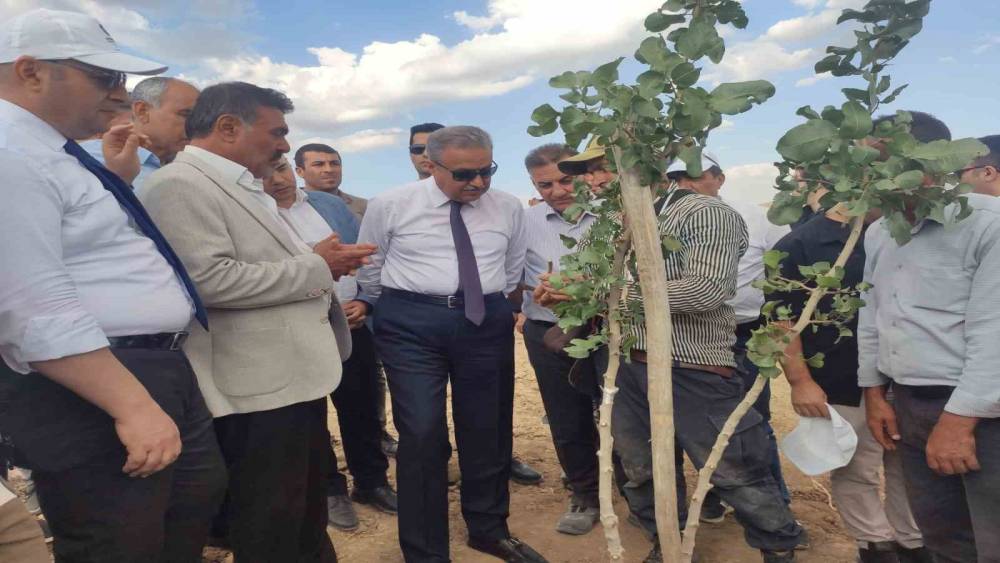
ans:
(105, 79)
(467, 175)
(964, 170)
(417, 149)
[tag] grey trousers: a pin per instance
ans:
(702, 403)
(959, 515)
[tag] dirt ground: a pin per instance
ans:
(534, 510)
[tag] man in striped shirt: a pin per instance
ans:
(701, 278)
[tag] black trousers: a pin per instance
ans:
(423, 346)
(570, 411)
(277, 461)
(356, 400)
(96, 512)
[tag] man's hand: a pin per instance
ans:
(808, 399)
(343, 259)
(546, 295)
(151, 439)
(881, 418)
(356, 311)
(951, 447)
(519, 321)
(120, 146)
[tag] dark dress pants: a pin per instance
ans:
(958, 515)
(570, 412)
(422, 346)
(702, 404)
(276, 506)
(96, 512)
(356, 400)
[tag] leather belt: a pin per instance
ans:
(640, 356)
(449, 301)
(161, 341)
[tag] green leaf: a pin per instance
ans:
(738, 97)
(732, 12)
(856, 94)
(658, 21)
(863, 154)
(892, 96)
(607, 73)
(572, 116)
(909, 179)
(673, 5)
(671, 244)
(644, 107)
(807, 112)
(695, 41)
(947, 156)
(568, 242)
(564, 80)
(544, 113)
(807, 142)
(827, 64)
(652, 50)
(543, 129)
(816, 361)
(691, 155)
(857, 121)
(773, 258)
(685, 75)
(786, 208)
(651, 84)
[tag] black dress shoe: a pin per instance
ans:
(523, 474)
(382, 498)
(509, 549)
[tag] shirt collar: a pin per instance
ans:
(30, 123)
(147, 158)
(301, 196)
(438, 198)
(230, 171)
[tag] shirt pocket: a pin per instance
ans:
(938, 288)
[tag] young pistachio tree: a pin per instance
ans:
(864, 168)
(644, 126)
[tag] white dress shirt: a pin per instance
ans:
(306, 224)
(148, 163)
(543, 225)
(763, 236)
(411, 225)
(932, 316)
(73, 270)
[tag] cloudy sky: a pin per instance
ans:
(361, 72)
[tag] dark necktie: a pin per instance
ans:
(126, 198)
(468, 270)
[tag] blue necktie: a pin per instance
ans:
(130, 203)
(468, 270)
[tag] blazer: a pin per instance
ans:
(277, 335)
(335, 212)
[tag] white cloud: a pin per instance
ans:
(750, 182)
(759, 59)
(810, 4)
(948, 59)
(810, 80)
(361, 141)
(987, 44)
(726, 124)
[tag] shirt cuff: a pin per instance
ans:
(871, 377)
(58, 336)
(964, 403)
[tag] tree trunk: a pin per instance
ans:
(605, 488)
(637, 201)
(705, 474)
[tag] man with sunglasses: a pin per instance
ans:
(449, 251)
(418, 147)
(983, 174)
(95, 392)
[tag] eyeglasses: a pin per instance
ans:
(964, 170)
(468, 175)
(105, 79)
(417, 149)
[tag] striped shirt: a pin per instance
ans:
(542, 226)
(701, 278)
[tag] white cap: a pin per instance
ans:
(55, 34)
(708, 160)
(818, 444)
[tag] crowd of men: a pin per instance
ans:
(175, 311)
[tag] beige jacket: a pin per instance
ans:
(270, 342)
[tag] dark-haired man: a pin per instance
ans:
(322, 169)
(96, 395)
(418, 147)
(276, 345)
(928, 333)
(983, 174)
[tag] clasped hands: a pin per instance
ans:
(545, 294)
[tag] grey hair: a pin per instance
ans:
(151, 90)
(457, 136)
(548, 154)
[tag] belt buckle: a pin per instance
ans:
(452, 300)
(177, 341)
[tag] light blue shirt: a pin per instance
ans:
(932, 316)
(542, 226)
(148, 163)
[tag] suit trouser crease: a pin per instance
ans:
(356, 401)
(423, 346)
(959, 515)
(702, 403)
(96, 512)
(570, 413)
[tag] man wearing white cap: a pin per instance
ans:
(95, 394)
